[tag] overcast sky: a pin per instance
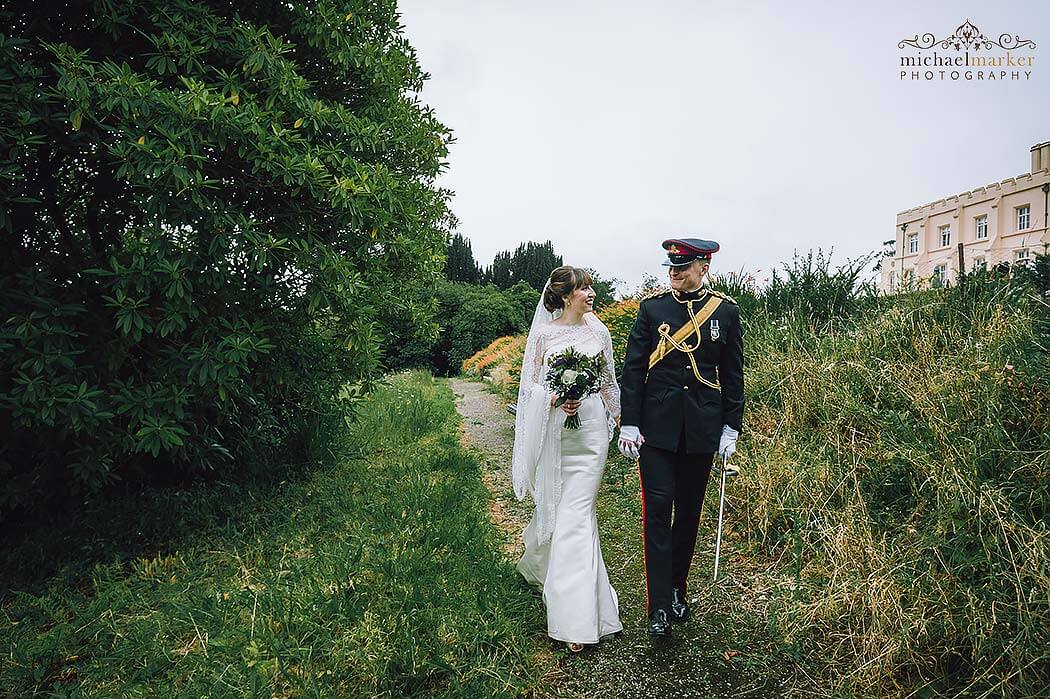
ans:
(607, 126)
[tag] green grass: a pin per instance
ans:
(731, 617)
(892, 504)
(895, 468)
(727, 648)
(380, 576)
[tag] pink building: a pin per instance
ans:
(1000, 222)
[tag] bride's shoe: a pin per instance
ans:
(576, 647)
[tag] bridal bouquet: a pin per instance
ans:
(574, 376)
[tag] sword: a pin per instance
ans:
(727, 470)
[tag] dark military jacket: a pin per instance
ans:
(668, 401)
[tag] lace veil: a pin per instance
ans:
(533, 408)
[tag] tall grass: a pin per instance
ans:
(898, 472)
(380, 577)
(894, 476)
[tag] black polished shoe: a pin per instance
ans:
(679, 607)
(659, 625)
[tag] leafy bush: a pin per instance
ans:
(525, 298)
(743, 288)
(474, 316)
(496, 353)
(619, 317)
(212, 210)
(811, 292)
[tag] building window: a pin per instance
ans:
(892, 280)
(1021, 257)
(982, 227)
(940, 273)
(979, 263)
(913, 243)
(946, 236)
(1023, 217)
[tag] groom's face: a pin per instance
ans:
(688, 277)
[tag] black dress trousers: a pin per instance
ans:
(673, 486)
(681, 415)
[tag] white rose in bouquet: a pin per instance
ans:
(568, 376)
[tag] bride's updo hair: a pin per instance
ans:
(564, 280)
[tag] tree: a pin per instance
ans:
(531, 263)
(210, 210)
(500, 273)
(474, 317)
(604, 289)
(460, 265)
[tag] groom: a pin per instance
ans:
(682, 397)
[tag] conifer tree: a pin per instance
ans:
(530, 263)
(460, 265)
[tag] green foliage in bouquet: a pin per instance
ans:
(574, 376)
(211, 211)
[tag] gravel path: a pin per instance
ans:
(489, 428)
(723, 651)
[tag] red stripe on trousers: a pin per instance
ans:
(645, 551)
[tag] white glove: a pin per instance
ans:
(630, 441)
(727, 444)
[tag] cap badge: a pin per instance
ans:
(715, 333)
(673, 249)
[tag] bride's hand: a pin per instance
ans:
(571, 407)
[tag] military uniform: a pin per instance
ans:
(680, 393)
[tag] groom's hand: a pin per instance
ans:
(727, 444)
(630, 441)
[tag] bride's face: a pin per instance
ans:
(580, 300)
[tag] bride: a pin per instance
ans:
(562, 468)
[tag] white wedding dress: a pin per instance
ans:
(562, 469)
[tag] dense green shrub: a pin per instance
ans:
(742, 287)
(211, 211)
(812, 292)
(473, 316)
(524, 298)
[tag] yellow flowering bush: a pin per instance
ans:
(619, 318)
